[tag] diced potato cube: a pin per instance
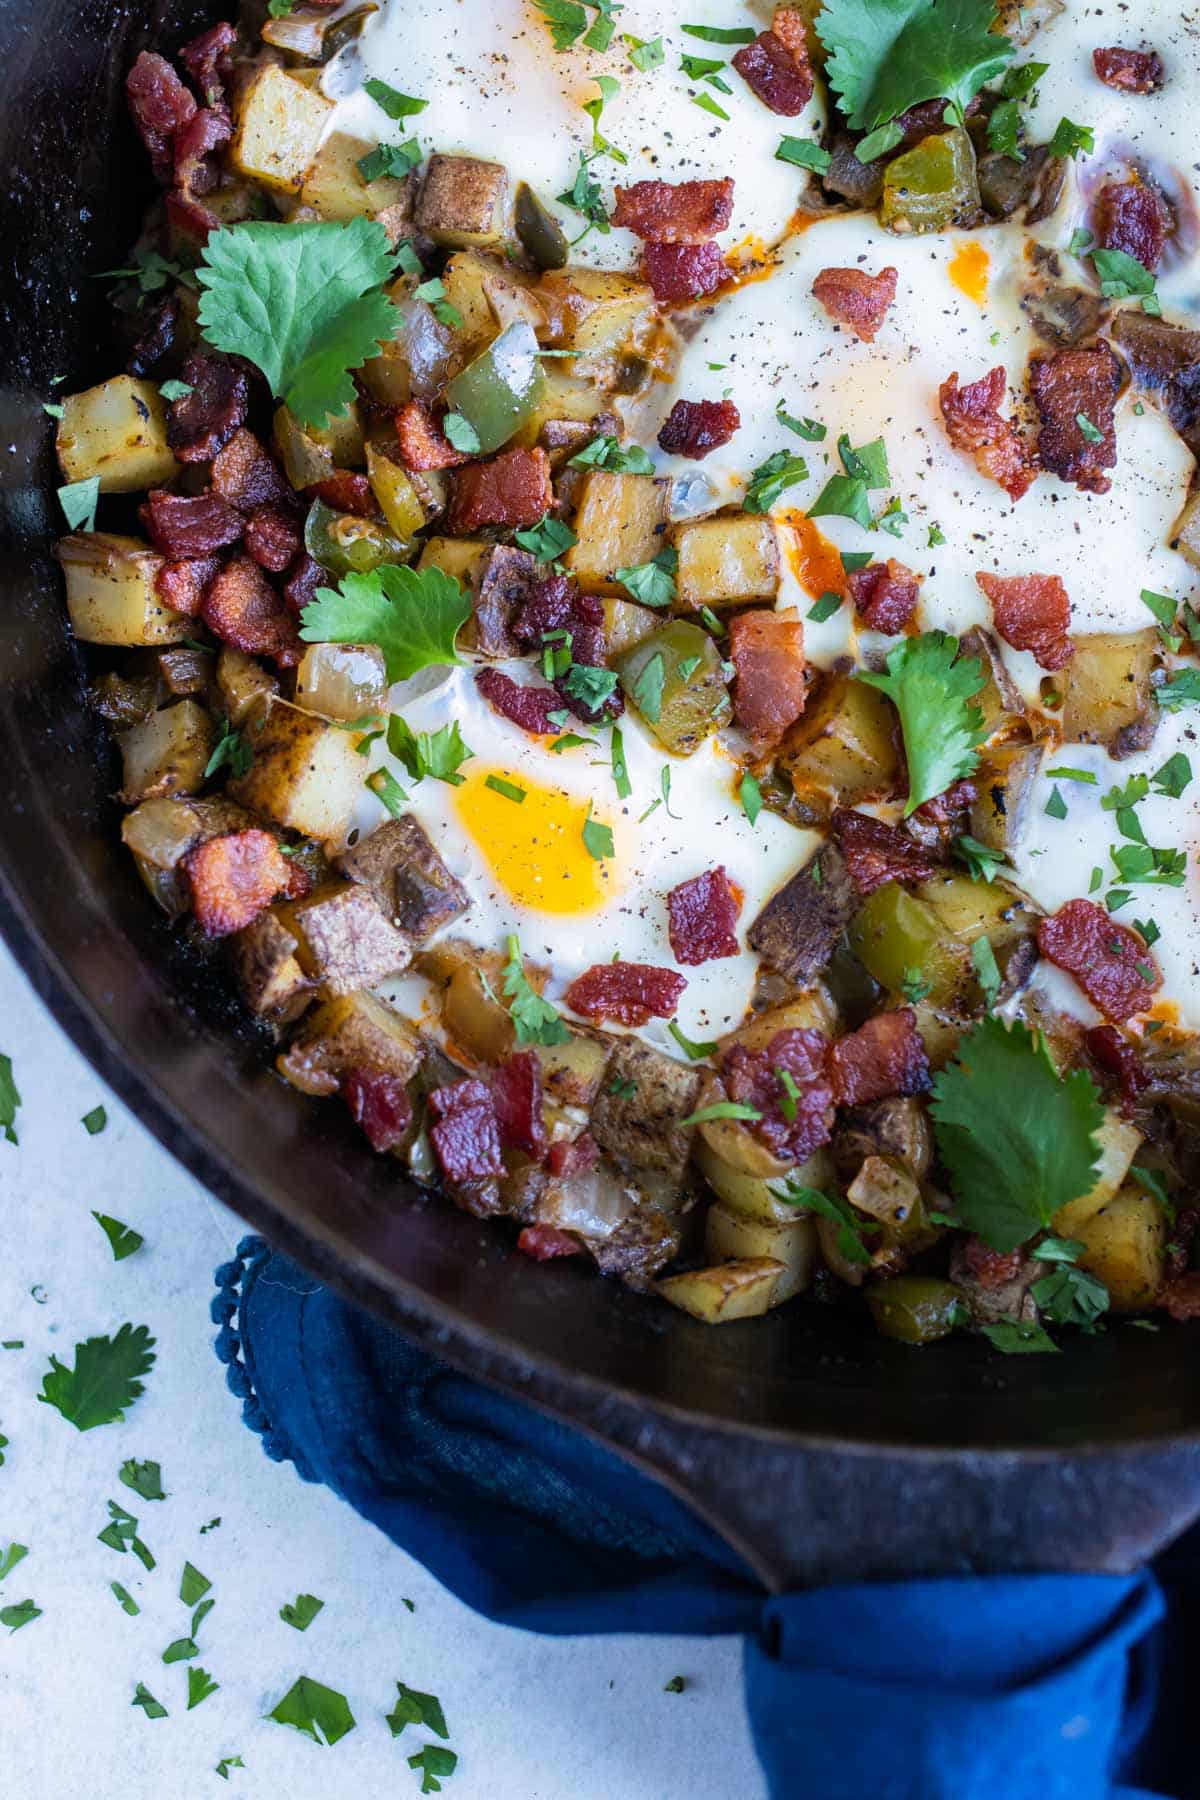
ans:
(626, 624)
(590, 309)
(306, 774)
(1004, 789)
(167, 754)
(464, 201)
(1119, 1143)
(1107, 693)
(334, 188)
(734, 1290)
(975, 909)
(1123, 1243)
(723, 562)
(621, 522)
(117, 431)
(461, 557)
(343, 939)
(753, 1196)
(110, 591)
(565, 400)
(349, 1032)
(271, 979)
(843, 750)
(278, 130)
(728, 1236)
(243, 682)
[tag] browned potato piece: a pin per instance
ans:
(1108, 697)
(343, 939)
(573, 1071)
(734, 1290)
(278, 130)
(729, 1236)
(1119, 1144)
(1185, 535)
(800, 927)
(588, 309)
(167, 754)
(636, 1115)
(111, 597)
(896, 1129)
(753, 1196)
(1004, 789)
(305, 775)
(407, 877)
(843, 750)
(117, 431)
(644, 1242)
(974, 909)
(567, 406)
(1123, 1243)
(334, 188)
(352, 1031)
(999, 700)
(463, 202)
(243, 682)
(475, 1017)
(264, 960)
(726, 561)
(621, 521)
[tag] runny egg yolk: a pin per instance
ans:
(816, 563)
(534, 847)
(968, 270)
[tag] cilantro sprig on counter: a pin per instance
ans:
(104, 1383)
(931, 686)
(320, 1712)
(10, 1101)
(412, 615)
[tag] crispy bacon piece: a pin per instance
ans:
(556, 604)
(857, 299)
(190, 525)
(703, 915)
(236, 877)
(973, 424)
(886, 1056)
(465, 1135)
(793, 1124)
(208, 60)
(1119, 1064)
(876, 853)
(1181, 1297)
(242, 608)
(945, 811)
(628, 993)
(378, 1102)
(543, 1242)
(273, 538)
(1133, 216)
(422, 442)
(886, 594)
(196, 144)
(528, 707)
(202, 422)
(1067, 387)
(160, 105)
(188, 217)
(778, 72)
(159, 324)
(679, 272)
(304, 578)
(674, 212)
(517, 1097)
(770, 685)
(245, 474)
(1032, 612)
(510, 489)
(1109, 961)
(694, 427)
(180, 585)
(990, 1268)
(349, 492)
(573, 1158)
(1129, 71)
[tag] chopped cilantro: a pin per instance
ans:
(607, 452)
(389, 161)
(609, 87)
(804, 153)
(824, 608)
(647, 691)
(124, 1599)
(301, 1611)
(181, 1650)
(388, 791)
(226, 1763)
(104, 1382)
(534, 1019)
(692, 1048)
(23, 1613)
(78, 500)
(1056, 806)
(413, 615)
(811, 430)
(1174, 776)
(750, 795)
(597, 838)
(1019, 82)
(768, 481)
(318, 1711)
(461, 434)
(10, 1100)
(432, 1761)
(145, 1699)
(720, 34)
(868, 464)
(231, 751)
(14, 1554)
(887, 55)
(174, 390)
(651, 583)
(438, 754)
(646, 54)
(395, 104)
(591, 686)
(1182, 690)
(936, 536)
(1004, 130)
(509, 789)
(983, 960)
(850, 1227)
(200, 1685)
(415, 1708)
(1091, 433)
(1123, 277)
(706, 68)
(95, 1121)
(1084, 776)
(123, 1240)
(1069, 139)
(843, 497)
(620, 768)
(1018, 1337)
(930, 686)
(585, 198)
(914, 987)
(676, 1685)
(720, 1109)
(145, 1478)
(547, 540)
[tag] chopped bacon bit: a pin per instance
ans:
(694, 427)
(1178, 1253)
(679, 272)
(789, 27)
(754, 1078)
(209, 62)
(1071, 385)
(305, 577)
(778, 72)
(202, 422)
(378, 1102)
(627, 992)
(1032, 612)
(573, 1158)
(196, 144)
(160, 104)
(703, 915)
(1117, 1061)
(945, 811)
(517, 1097)
(886, 594)
(876, 853)
(989, 1268)
(511, 489)
(180, 585)
(348, 492)
(528, 707)
(973, 423)
(1133, 216)
(1109, 961)
(190, 525)
(159, 325)
(465, 1135)
(550, 604)
(423, 444)
(1129, 71)
(241, 607)
(1181, 1297)
(770, 685)
(857, 299)
(234, 878)
(191, 218)
(885, 1056)
(248, 477)
(543, 1242)
(273, 538)
(674, 212)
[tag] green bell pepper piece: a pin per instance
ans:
(347, 545)
(501, 389)
(916, 1309)
(932, 186)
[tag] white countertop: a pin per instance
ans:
(531, 1718)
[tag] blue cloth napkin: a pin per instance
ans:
(1048, 1687)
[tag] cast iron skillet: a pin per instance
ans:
(820, 1451)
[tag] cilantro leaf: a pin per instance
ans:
(929, 685)
(10, 1100)
(1018, 1141)
(1069, 139)
(12, 1556)
(750, 795)
(230, 750)
(1019, 1337)
(645, 54)
(78, 500)
(534, 1019)
(394, 160)
(805, 153)
(23, 1613)
(509, 789)
(95, 1121)
(103, 1384)
(145, 1478)
(843, 497)
(597, 838)
(152, 1708)
(124, 1599)
(395, 104)
(414, 1708)
(200, 1685)
(192, 1585)
(831, 1206)
(436, 753)
(547, 540)
(607, 452)
(321, 1713)
(1069, 1296)
(432, 1761)
(226, 1763)
(770, 479)
(413, 615)
(301, 302)
(182, 1650)
(982, 862)
(887, 55)
(124, 1241)
(694, 1050)
(301, 1611)
(652, 583)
